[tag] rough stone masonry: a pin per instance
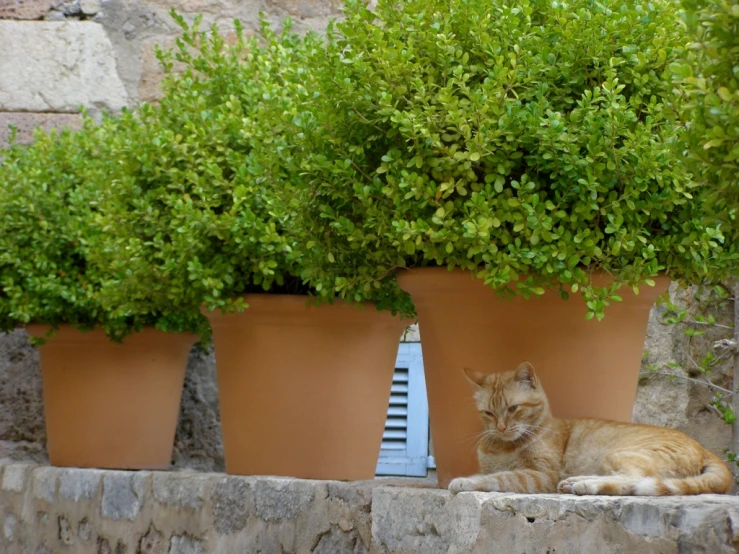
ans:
(47, 510)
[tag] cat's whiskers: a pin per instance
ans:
(536, 437)
(547, 427)
(478, 437)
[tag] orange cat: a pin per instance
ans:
(526, 449)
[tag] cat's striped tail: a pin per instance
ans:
(715, 478)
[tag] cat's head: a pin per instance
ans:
(512, 404)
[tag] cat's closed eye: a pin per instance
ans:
(488, 414)
(512, 408)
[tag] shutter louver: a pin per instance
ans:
(396, 426)
(405, 440)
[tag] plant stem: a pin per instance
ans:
(735, 382)
(703, 382)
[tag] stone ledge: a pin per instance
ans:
(47, 510)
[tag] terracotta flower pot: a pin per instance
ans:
(588, 368)
(304, 389)
(111, 405)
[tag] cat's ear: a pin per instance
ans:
(474, 377)
(525, 374)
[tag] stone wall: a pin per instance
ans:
(677, 395)
(60, 55)
(45, 510)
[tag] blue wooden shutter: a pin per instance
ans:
(405, 443)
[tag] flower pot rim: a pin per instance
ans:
(461, 281)
(65, 332)
(296, 307)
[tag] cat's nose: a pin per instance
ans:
(502, 426)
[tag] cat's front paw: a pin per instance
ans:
(565, 486)
(462, 484)
(580, 485)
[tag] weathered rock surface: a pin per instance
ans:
(25, 124)
(678, 402)
(661, 401)
(136, 26)
(410, 521)
(58, 67)
(26, 9)
(22, 432)
(46, 509)
(198, 443)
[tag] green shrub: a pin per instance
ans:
(48, 195)
(709, 80)
(198, 211)
(520, 140)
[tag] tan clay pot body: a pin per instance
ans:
(304, 389)
(111, 405)
(588, 368)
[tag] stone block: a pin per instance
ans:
(279, 500)
(350, 506)
(26, 9)
(90, 7)
(78, 484)
(10, 527)
(25, 124)
(337, 540)
(58, 67)
(14, 477)
(412, 520)
(44, 483)
(183, 490)
(21, 403)
(182, 544)
(231, 499)
(152, 74)
(305, 9)
(84, 530)
(123, 494)
(228, 8)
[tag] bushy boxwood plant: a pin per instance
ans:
(48, 196)
(528, 142)
(708, 79)
(198, 212)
